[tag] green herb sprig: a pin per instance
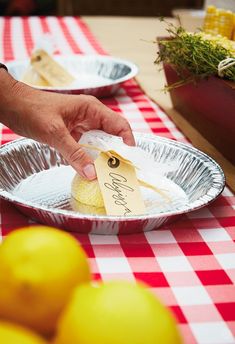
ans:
(193, 55)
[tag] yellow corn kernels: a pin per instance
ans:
(219, 22)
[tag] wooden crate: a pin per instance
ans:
(209, 106)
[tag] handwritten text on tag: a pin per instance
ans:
(119, 186)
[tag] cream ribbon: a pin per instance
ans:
(225, 64)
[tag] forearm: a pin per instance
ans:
(13, 95)
(7, 95)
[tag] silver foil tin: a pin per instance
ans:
(26, 162)
(96, 75)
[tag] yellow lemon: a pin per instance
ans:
(86, 209)
(117, 313)
(15, 334)
(40, 266)
(87, 192)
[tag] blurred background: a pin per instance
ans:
(105, 7)
(96, 7)
(190, 13)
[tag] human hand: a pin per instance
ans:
(59, 121)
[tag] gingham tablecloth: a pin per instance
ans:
(190, 264)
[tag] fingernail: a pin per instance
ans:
(89, 171)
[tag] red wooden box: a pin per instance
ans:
(209, 105)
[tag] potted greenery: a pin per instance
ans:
(200, 74)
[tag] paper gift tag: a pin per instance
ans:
(31, 77)
(50, 70)
(119, 186)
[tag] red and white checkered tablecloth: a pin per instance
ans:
(189, 264)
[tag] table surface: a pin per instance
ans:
(132, 38)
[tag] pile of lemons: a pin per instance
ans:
(47, 296)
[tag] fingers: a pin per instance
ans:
(119, 126)
(76, 156)
(114, 124)
(92, 114)
(128, 136)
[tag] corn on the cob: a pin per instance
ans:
(234, 27)
(216, 40)
(219, 22)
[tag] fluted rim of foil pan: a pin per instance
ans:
(214, 191)
(88, 59)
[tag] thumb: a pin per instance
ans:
(76, 157)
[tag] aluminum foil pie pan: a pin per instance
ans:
(37, 180)
(96, 75)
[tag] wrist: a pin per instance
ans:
(13, 94)
(6, 84)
